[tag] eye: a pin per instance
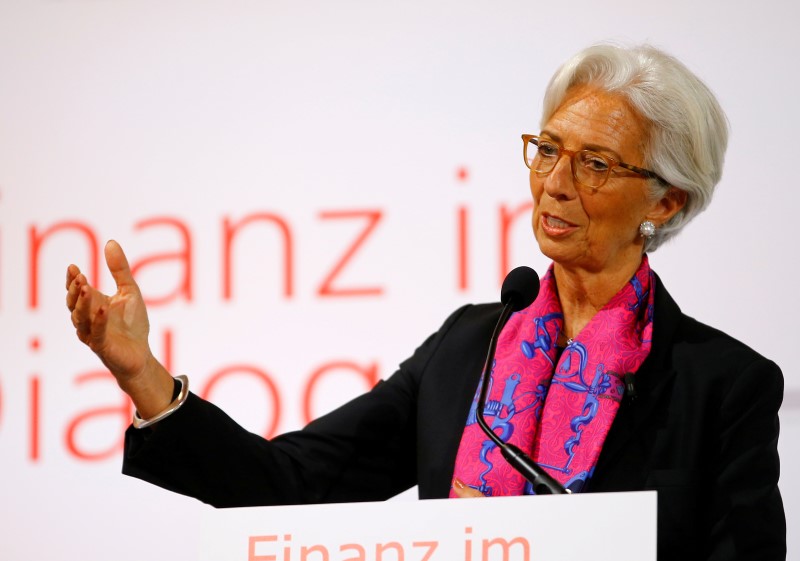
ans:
(594, 162)
(547, 149)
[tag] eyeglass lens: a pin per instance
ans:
(589, 168)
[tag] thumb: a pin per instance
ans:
(118, 265)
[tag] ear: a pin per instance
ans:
(668, 206)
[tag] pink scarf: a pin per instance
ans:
(558, 409)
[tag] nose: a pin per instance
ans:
(560, 182)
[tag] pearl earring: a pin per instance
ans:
(647, 229)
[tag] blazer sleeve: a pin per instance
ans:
(748, 521)
(363, 451)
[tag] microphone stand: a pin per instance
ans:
(543, 483)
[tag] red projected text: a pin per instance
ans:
(114, 415)
(182, 265)
(330, 284)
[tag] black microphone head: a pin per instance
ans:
(520, 288)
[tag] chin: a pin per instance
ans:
(557, 251)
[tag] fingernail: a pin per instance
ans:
(458, 483)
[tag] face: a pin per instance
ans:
(594, 229)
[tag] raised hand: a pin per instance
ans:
(116, 329)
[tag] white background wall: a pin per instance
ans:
(115, 113)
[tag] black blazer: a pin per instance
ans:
(702, 431)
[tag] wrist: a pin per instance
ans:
(150, 389)
(179, 395)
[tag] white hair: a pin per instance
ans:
(688, 131)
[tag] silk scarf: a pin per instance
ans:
(558, 408)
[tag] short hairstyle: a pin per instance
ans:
(688, 131)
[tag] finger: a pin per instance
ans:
(88, 302)
(72, 291)
(97, 336)
(464, 491)
(118, 265)
(81, 313)
(72, 272)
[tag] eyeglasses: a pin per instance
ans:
(590, 169)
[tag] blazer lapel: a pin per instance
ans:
(652, 383)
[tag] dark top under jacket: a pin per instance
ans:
(702, 431)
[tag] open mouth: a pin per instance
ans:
(555, 222)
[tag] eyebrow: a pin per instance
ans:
(592, 147)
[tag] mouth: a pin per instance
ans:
(554, 225)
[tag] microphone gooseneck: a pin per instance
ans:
(520, 288)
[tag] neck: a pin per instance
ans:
(583, 293)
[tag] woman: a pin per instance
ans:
(602, 378)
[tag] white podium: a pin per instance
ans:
(590, 527)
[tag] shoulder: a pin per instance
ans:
(455, 350)
(470, 313)
(469, 321)
(706, 354)
(709, 345)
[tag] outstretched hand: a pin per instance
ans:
(116, 329)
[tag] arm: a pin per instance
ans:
(364, 450)
(746, 510)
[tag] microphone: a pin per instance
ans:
(520, 288)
